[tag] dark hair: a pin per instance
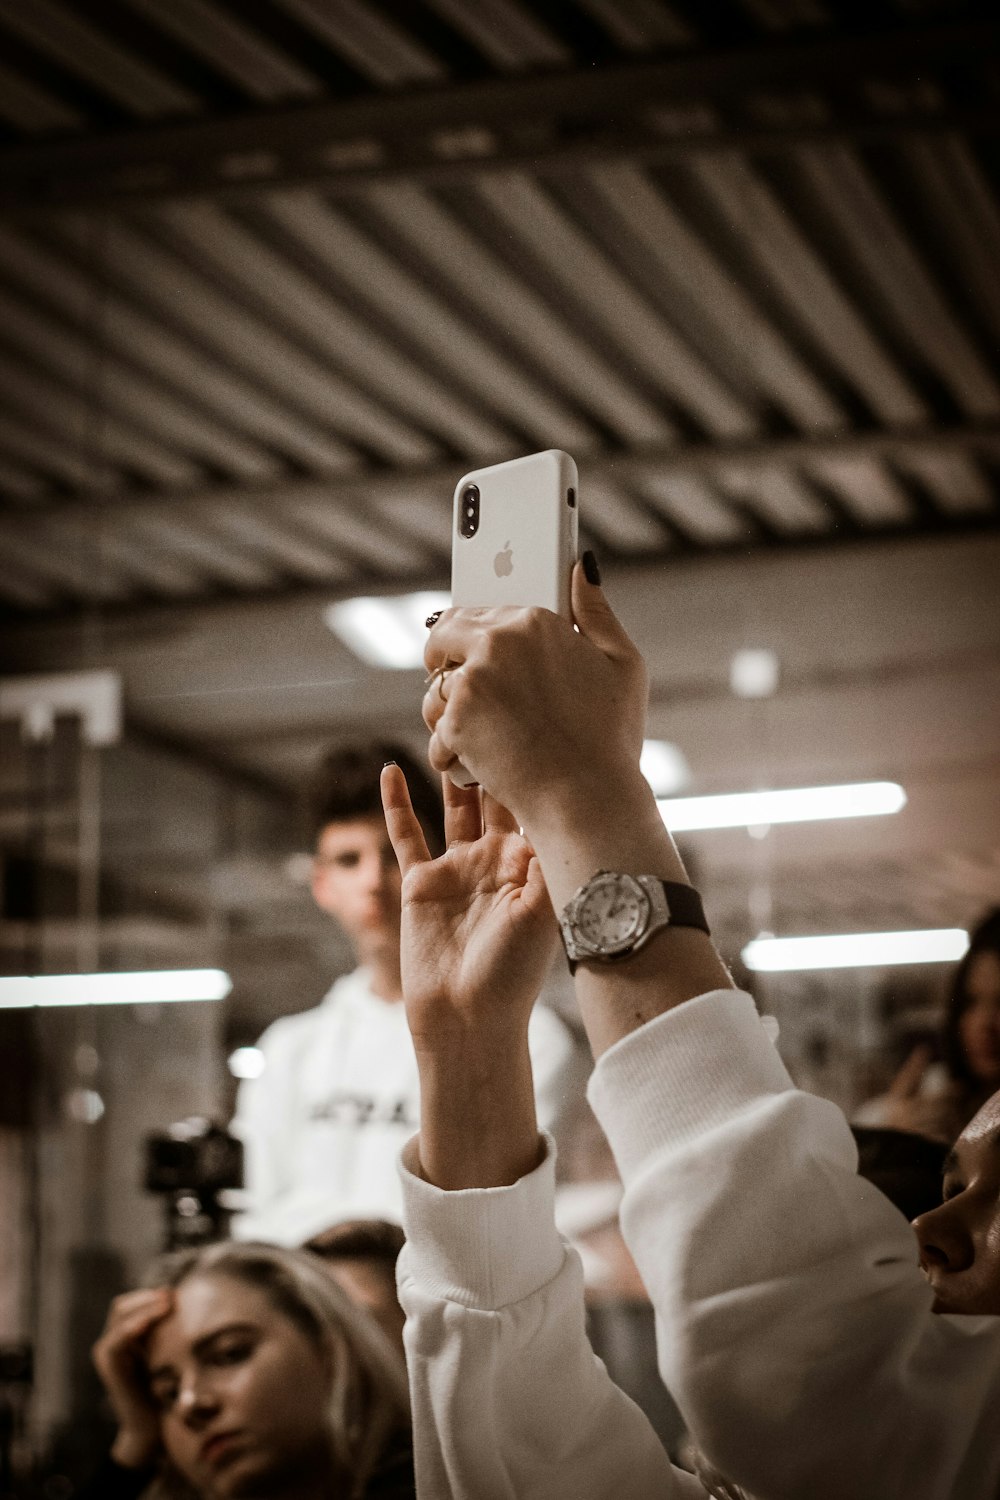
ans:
(360, 1239)
(984, 938)
(905, 1167)
(346, 787)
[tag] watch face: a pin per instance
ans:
(612, 914)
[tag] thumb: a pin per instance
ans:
(592, 612)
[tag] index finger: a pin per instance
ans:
(402, 824)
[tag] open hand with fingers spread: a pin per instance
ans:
(478, 932)
(477, 938)
(119, 1360)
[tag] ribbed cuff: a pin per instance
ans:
(482, 1247)
(678, 1076)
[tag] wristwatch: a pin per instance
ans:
(612, 916)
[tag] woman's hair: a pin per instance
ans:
(902, 1164)
(369, 1400)
(984, 938)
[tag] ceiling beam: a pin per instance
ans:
(549, 121)
(691, 694)
(154, 613)
(842, 621)
(608, 466)
(204, 758)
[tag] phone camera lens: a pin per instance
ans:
(469, 523)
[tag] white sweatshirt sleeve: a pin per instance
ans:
(509, 1400)
(794, 1327)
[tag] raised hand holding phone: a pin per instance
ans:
(537, 708)
(514, 540)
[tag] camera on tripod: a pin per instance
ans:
(195, 1167)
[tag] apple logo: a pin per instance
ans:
(503, 564)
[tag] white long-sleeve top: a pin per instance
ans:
(509, 1400)
(323, 1125)
(794, 1327)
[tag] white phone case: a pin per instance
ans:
(525, 546)
(525, 543)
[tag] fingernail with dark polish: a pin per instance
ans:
(591, 571)
(387, 764)
(432, 620)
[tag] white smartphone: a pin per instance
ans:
(514, 533)
(514, 538)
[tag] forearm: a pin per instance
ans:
(477, 1110)
(584, 830)
(495, 1326)
(774, 1268)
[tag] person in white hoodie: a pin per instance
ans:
(811, 1357)
(324, 1123)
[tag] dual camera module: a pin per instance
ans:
(468, 521)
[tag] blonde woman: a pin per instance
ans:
(244, 1370)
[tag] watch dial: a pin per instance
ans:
(611, 915)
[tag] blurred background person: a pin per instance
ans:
(937, 1098)
(244, 1370)
(323, 1125)
(361, 1257)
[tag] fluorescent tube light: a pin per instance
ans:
(801, 804)
(856, 950)
(386, 631)
(148, 987)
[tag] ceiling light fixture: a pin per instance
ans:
(386, 631)
(146, 987)
(664, 767)
(754, 673)
(247, 1062)
(802, 804)
(856, 950)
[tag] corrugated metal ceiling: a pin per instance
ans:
(268, 267)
